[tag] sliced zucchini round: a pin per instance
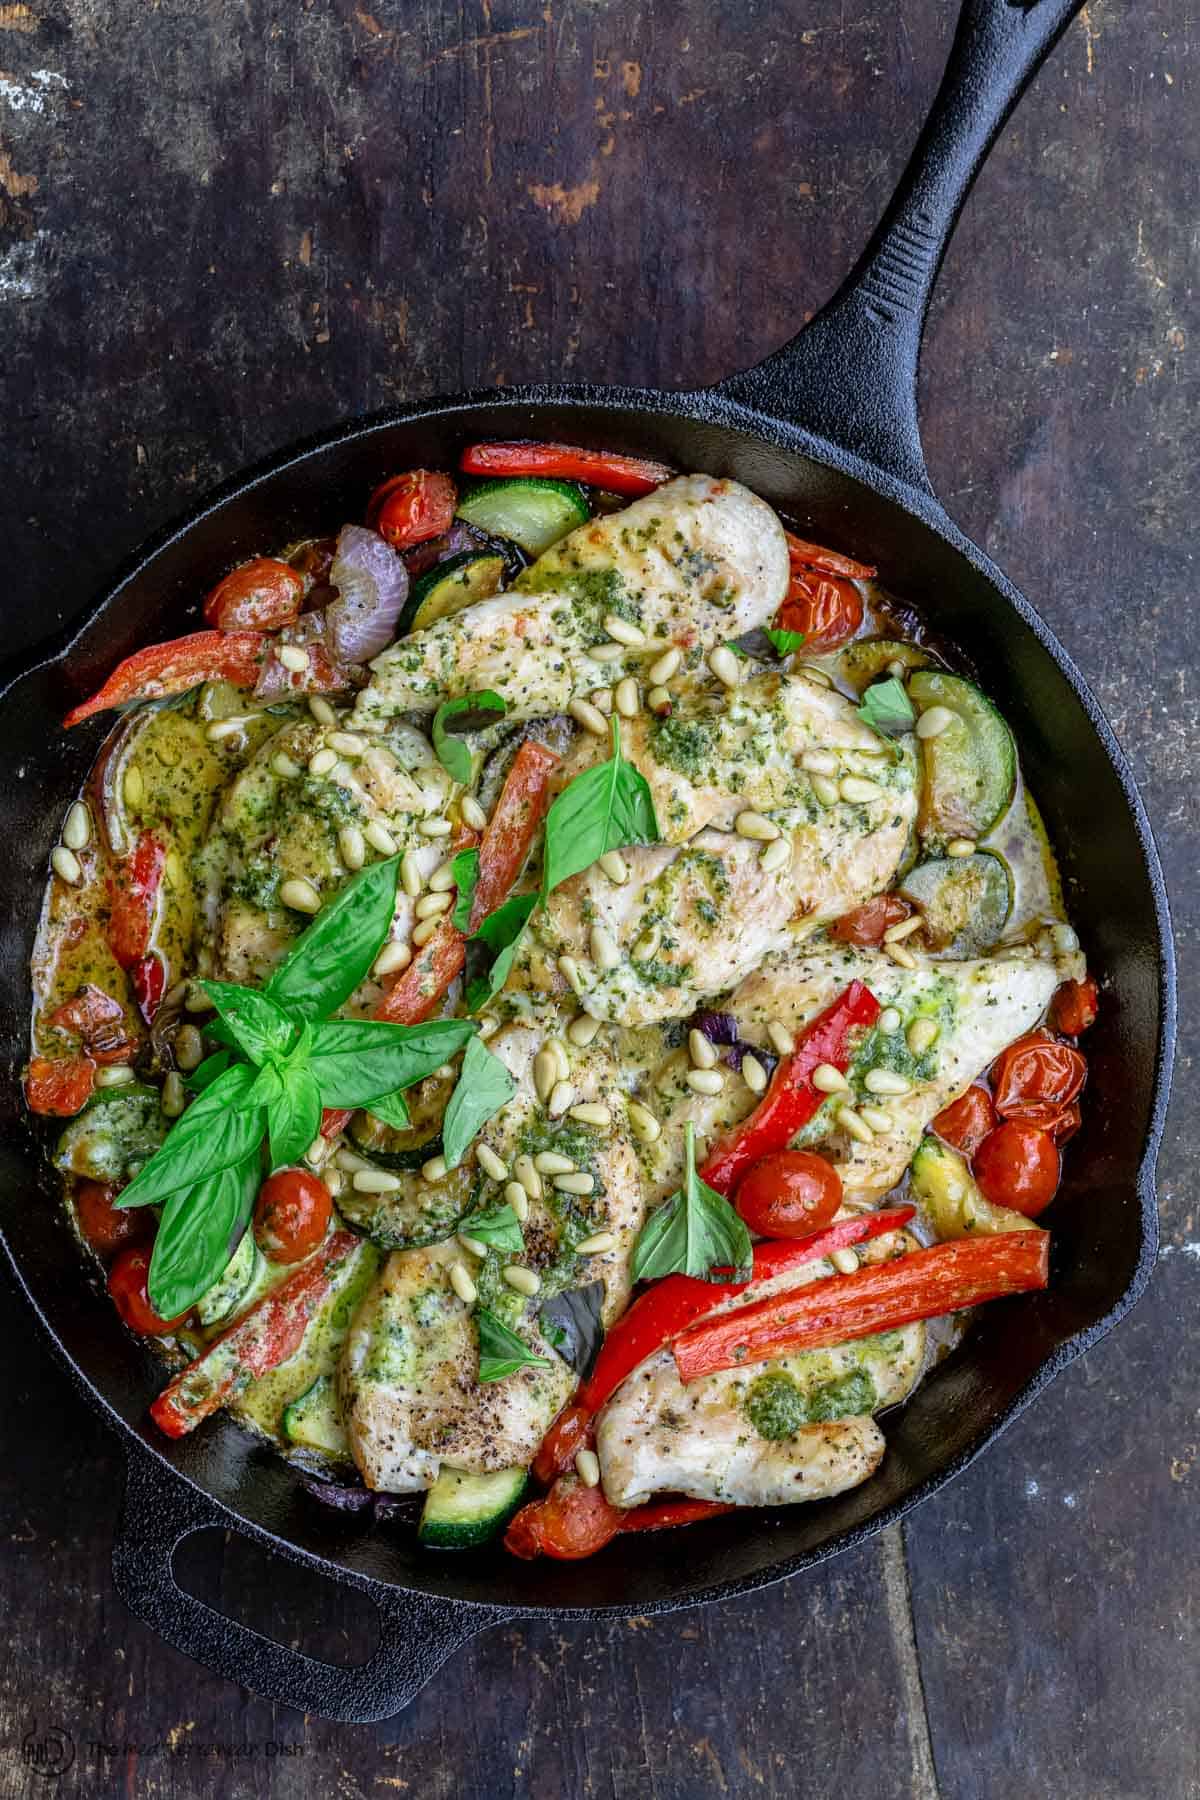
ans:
(391, 1149)
(449, 586)
(970, 767)
(533, 512)
(416, 1213)
(314, 1420)
(965, 900)
(866, 660)
(118, 1130)
(463, 1510)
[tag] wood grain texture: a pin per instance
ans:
(225, 225)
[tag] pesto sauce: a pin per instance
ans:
(777, 1406)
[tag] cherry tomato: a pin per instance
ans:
(59, 1085)
(1017, 1165)
(827, 608)
(104, 1225)
(127, 1285)
(410, 508)
(1065, 1124)
(572, 1521)
(1074, 1007)
(98, 1021)
(966, 1121)
(1036, 1077)
(259, 596)
(804, 555)
(789, 1194)
(134, 888)
(868, 922)
(291, 1215)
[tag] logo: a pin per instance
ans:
(47, 1750)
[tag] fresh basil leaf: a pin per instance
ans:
(206, 1073)
(784, 642)
(259, 1027)
(695, 1232)
(357, 1060)
(392, 1110)
(496, 1225)
(218, 1130)
(200, 1228)
(330, 959)
(887, 709)
(267, 1086)
(500, 932)
(572, 1322)
(484, 1086)
(470, 712)
(294, 1117)
(607, 807)
(501, 1351)
(465, 869)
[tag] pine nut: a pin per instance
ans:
(587, 1467)
(347, 743)
(825, 789)
(895, 934)
(818, 677)
(615, 867)
(627, 698)
(819, 762)
(77, 829)
(561, 1096)
(430, 906)
(886, 1081)
(490, 1163)
(700, 1050)
(602, 699)
(334, 1180)
(174, 1096)
(889, 1020)
(877, 1119)
(592, 1112)
(434, 1170)
(961, 847)
(646, 948)
(525, 1281)
(607, 653)
(899, 953)
(856, 791)
(602, 945)
(828, 1080)
(410, 874)
(577, 1182)
(781, 1038)
(922, 1034)
(375, 1181)
(550, 1162)
(283, 766)
(300, 895)
(545, 1074)
(667, 665)
(622, 632)
(756, 826)
(582, 1030)
(844, 1261)
(754, 1075)
(442, 880)
(293, 657)
(558, 1051)
(518, 1199)
(351, 846)
(321, 710)
(896, 668)
(322, 761)
(724, 665)
(66, 865)
(1064, 938)
(705, 1081)
(589, 716)
(391, 959)
(349, 1160)
(571, 973)
(116, 1075)
(317, 1151)
(380, 838)
(473, 814)
(434, 828)
(658, 699)
(597, 1244)
(643, 1123)
(932, 723)
(423, 930)
(462, 1284)
(475, 1245)
(854, 1125)
(527, 1174)
(134, 788)
(775, 856)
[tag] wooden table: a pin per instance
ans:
(223, 226)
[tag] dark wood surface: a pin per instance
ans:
(223, 225)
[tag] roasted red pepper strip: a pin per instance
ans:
(148, 979)
(98, 1021)
(803, 555)
(791, 1100)
(926, 1284)
(669, 1307)
(134, 886)
(59, 1086)
(266, 1337)
(574, 1521)
(631, 475)
(661, 1515)
(172, 668)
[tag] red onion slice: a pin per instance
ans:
(372, 585)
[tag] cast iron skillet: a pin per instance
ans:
(826, 429)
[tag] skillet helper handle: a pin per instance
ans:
(417, 1631)
(851, 375)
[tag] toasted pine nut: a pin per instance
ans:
(895, 934)
(380, 838)
(582, 1030)
(900, 953)
(293, 657)
(598, 1244)
(115, 1075)
(607, 653)
(667, 665)
(66, 865)
(592, 1112)
(490, 1163)
(462, 1284)
(857, 791)
(844, 1261)
(643, 1123)
(577, 1182)
(283, 765)
(375, 1181)
(442, 879)
(623, 632)
(561, 1096)
(434, 1170)
(754, 1075)
(856, 1126)
(700, 1050)
(528, 1176)
(587, 1467)
(934, 721)
(886, 1081)
(473, 814)
(828, 1080)
(77, 828)
(347, 743)
(321, 710)
(552, 1162)
(724, 665)
(410, 874)
(876, 1118)
(174, 1096)
(476, 1246)
(826, 789)
(423, 930)
(819, 762)
(781, 1038)
(430, 905)
(434, 828)
(321, 761)
(545, 1074)
(300, 895)
(658, 699)
(603, 946)
(572, 974)
(525, 1281)
(391, 959)
(349, 1160)
(756, 826)
(922, 1034)
(615, 867)
(889, 1020)
(628, 700)
(961, 847)
(775, 856)
(518, 1199)
(589, 716)
(705, 1081)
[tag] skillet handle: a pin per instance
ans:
(851, 375)
(417, 1631)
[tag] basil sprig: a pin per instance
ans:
(484, 1086)
(501, 1351)
(496, 1225)
(695, 1232)
(500, 935)
(465, 870)
(607, 807)
(470, 712)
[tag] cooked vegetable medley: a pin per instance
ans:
(560, 999)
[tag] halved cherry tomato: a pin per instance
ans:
(59, 1086)
(827, 608)
(1065, 1123)
(104, 1225)
(291, 1215)
(134, 886)
(259, 596)
(1074, 1007)
(629, 475)
(868, 922)
(127, 1286)
(173, 668)
(1017, 1165)
(1036, 1077)
(789, 1194)
(966, 1121)
(98, 1021)
(412, 507)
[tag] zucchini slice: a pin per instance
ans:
(970, 767)
(314, 1420)
(233, 1288)
(463, 1510)
(449, 586)
(965, 900)
(866, 660)
(416, 1213)
(118, 1130)
(943, 1184)
(407, 1150)
(534, 513)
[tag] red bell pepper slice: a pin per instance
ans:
(926, 1284)
(134, 886)
(270, 1333)
(791, 1100)
(632, 475)
(669, 1307)
(573, 1521)
(98, 1021)
(148, 978)
(803, 555)
(59, 1086)
(173, 668)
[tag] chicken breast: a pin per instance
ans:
(692, 564)
(693, 921)
(408, 1379)
(978, 1006)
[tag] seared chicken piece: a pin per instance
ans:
(693, 921)
(692, 564)
(408, 1383)
(979, 1007)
